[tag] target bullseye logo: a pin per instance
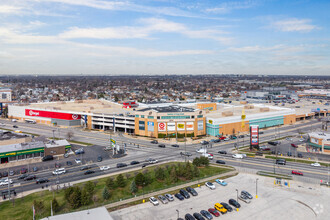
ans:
(161, 126)
(74, 117)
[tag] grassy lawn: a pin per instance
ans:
(22, 208)
(297, 160)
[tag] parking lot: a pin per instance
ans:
(298, 201)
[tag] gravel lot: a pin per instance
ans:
(299, 201)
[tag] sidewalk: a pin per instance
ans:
(134, 199)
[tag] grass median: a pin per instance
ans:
(22, 207)
(296, 160)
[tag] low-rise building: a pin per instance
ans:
(319, 141)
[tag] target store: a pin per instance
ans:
(170, 121)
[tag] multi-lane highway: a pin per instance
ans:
(148, 150)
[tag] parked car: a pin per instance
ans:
(289, 154)
(222, 138)
(302, 140)
(214, 212)
(153, 201)
(179, 196)
(5, 174)
(154, 142)
(274, 143)
(234, 203)
(99, 158)
(11, 172)
(119, 165)
(30, 177)
(293, 145)
(57, 165)
(189, 217)
(169, 197)
(206, 214)
(69, 163)
(295, 172)
(79, 151)
(42, 180)
(23, 170)
(192, 191)
(198, 216)
(226, 139)
(316, 164)
(161, 145)
(48, 157)
(244, 198)
(264, 148)
(134, 162)
(222, 152)
(228, 207)
(104, 168)
(247, 194)
(184, 193)
(220, 208)
(216, 140)
(175, 145)
(300, 155)
(204, 142)
(220, 162)
(77, 160)
(210, 185)
(89, 172)
(241, 136)
(221, 182)
(162, 199)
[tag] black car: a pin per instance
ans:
(289, 154)
(69, 163)
(85, 168)
(274, 143)
(89, 172)
(198, 216)
(184, 193)
(258, 153)
(175, 145)
(188, 154)
(134, 162)
(48, 157)
(99, 158)
(179, 196)
(121, 165)
(189, 217)
(241, 136)
(42, 180)
(161, 145)
(5, 174)
(30, 177)
(234, 203)
(300, 155)
(220, 162)
(217, 140)
(205, 142)
(222, 152)
(206, 214)
(23, 176)
(145, 164)
(192, 191)
(228, 207)
(15, 126)
(154, 142)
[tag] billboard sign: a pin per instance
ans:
(49, 114)
(171, 126)
(190, 126)
(200, 125)
(180, 126)
(254, 135)
(151, 126)
(161, 126)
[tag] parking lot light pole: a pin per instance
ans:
(177, 212)
(257, 188)
(237, 197)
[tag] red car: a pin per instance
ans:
(222, 138)
(295, 172)
(293, 145)
(23, 170)
(214, 212)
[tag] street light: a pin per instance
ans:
(177, 212)
(237, 194)
(257, 188)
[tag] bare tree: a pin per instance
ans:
(70, 135)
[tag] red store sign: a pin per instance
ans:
(48, 114)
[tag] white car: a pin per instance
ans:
(4, 182)
(301, 140)
(201, 151)
(77, 160)
(315, 164)
(151, 161)
(238, 156)
(208, 156)
(210, 185)
(226, 139)
(2, 124)
(153, 200)
(59, 171)
(14, 120)
(104, 168)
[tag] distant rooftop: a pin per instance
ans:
(7, 135)
(21, 146)
(171, 108)
(100, 213)
(320, 135)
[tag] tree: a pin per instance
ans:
(38, 206)
(173, 175)
(85, 197)
(68, 192)
(134, 188)
(70, 135)
(90, 187)
(204, 161)
(188, 174)
(75, 198)
(159, 173)
(180, 170)
(139, 179)
(196, 171)
(197, 162)
(105, 193)
(110, 183)
(55, 205)
(120, 181)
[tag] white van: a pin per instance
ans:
(201, 151)
(59, 171)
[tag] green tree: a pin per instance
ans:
(196, 171)
(180, 170)
(159, 173)
(173, 175)
(197, 162)
(188, 174)
(90, 187)
(105, 193)
(121, 182)
(110, 183)
(75, 198)
(38, 206)
(204, 161)
(85, 197)
(55, 205)
(134, 188)
(139, 179)
(68, 192)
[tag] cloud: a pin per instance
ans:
(9, 9)
(227, 7)
(294, 25)
(279, 48)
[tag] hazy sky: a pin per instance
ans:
(164, 37)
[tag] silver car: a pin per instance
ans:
(162, 199)
(244, 198)
(247, 194)
(169, 197)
